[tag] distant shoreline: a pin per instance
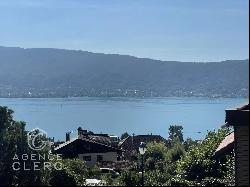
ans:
(145, 97)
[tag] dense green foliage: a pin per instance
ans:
(199, 167)
(155, 155)
(73, 173)
(175, 131)
(129, 178)
(13, 141)
(189, 143)
(186, 163)
(159, 166)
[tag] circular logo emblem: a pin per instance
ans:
(37, 139)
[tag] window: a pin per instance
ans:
(99, 158)
(87, 158)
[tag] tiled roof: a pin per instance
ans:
(83, 145)
(101, 139)
(65, 143)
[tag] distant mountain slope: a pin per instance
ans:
(51, 69)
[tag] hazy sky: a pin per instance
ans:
(185, 30)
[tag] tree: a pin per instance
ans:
(73, 173)
(156, 178)
(161, 162)
(175, 131)
(189, 143)
(129, 178)
(175, 151)
(198, 166)
(155, 155)
(229, 173)
(12, 138)
(13, 142)
(124, 135)
(108, 179)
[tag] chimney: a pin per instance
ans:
(67, 136)
(82, 133)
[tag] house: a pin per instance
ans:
(130, 145)
(239, 119)
(91, 148)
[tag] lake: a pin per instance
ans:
(118, 115)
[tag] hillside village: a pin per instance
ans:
(103, 148)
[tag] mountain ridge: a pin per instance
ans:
(125, 55)
(51, 72)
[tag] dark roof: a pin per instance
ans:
(81, 146)
(244, 107)
(100, 138)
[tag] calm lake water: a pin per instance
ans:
(117, 115)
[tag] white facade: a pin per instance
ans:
(92, 158)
